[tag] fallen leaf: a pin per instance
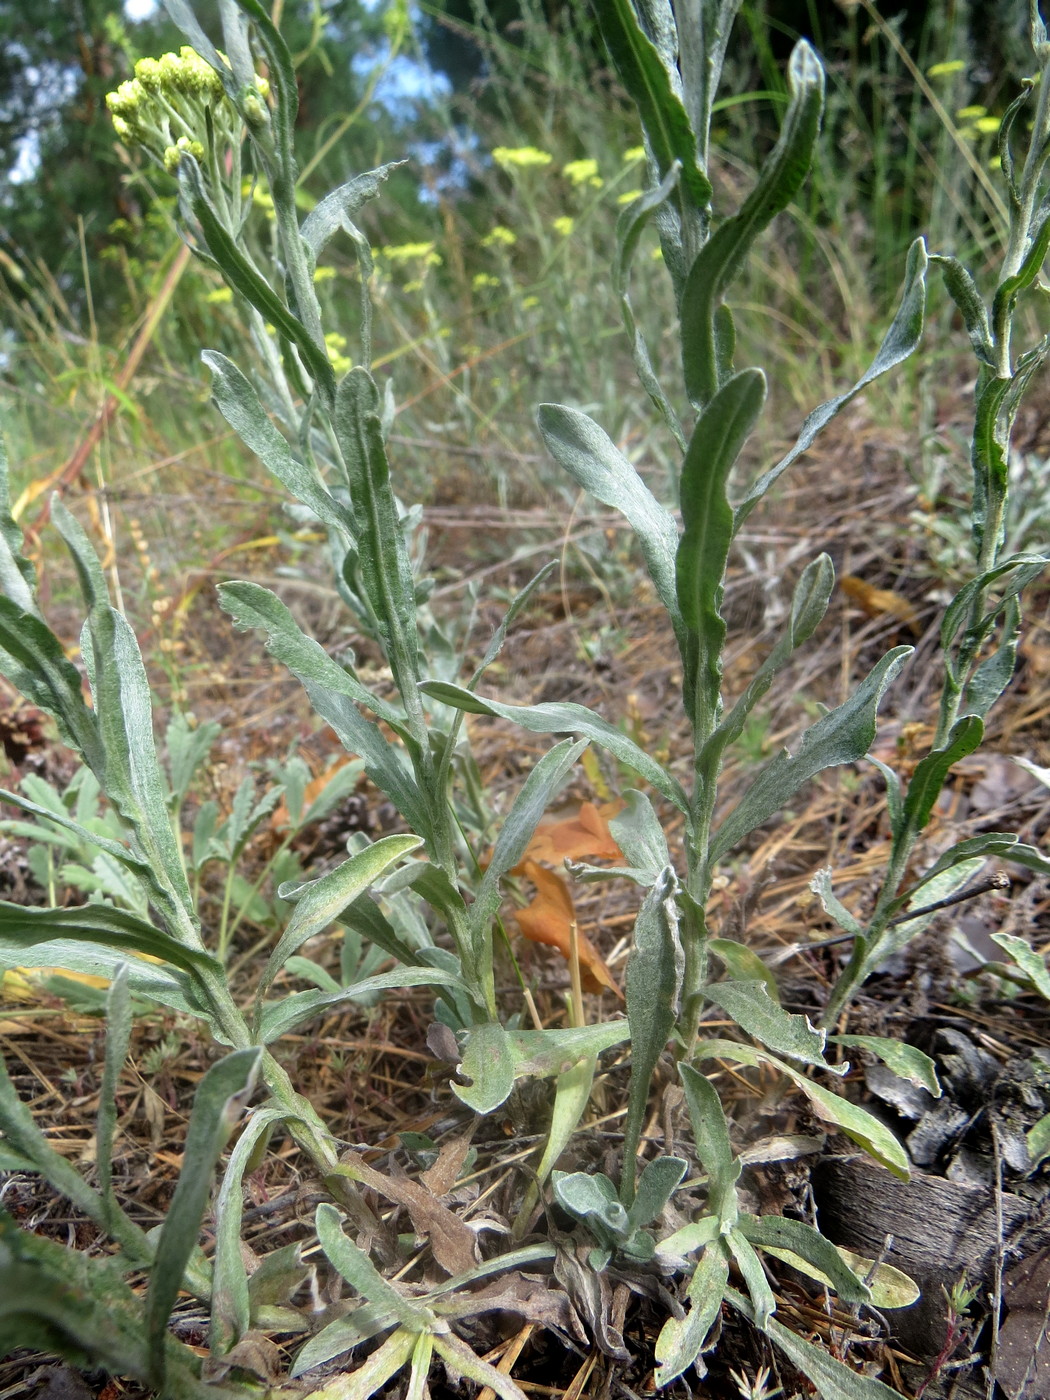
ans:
(549, 919)
(441, 1177)
(586, 835)
(452, 1241)
(877, 602)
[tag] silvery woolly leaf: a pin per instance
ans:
(329, 214)
(681, 1340)
(755, 1011)
(900, 340)
(842, 736)
(902, 1059)
(362, 1275)
(218, 1102)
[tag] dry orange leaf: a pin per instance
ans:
(586, 835)
(879, 602)
(549, 918)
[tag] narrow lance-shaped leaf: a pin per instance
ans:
(383, 558)
(34, 661)
(239, 405)
(17, 574)
(780, 1232)
(711, 1139)
(517, 830)
(721, 258)
(653, 983)
(320, 902)
(931, 772)
(89, 571)
(330, 214)
(20, 1131)
(278, 1018)
(118, 1037)
(562, 718)
(362, 1275)
(593, 461)
(717, 439)
(646, 79)
(217, 1104)
(963, 291)
(703, 36)
(843, 736)
(681, 1340)
(133, 779)
(901, 339)
(755, 1011)
(22, 927)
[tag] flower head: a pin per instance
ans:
(520, 157)
(582, 172)
(499, 237)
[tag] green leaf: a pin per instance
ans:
(278, 1018)
(593, 461)
(461, 1360)
(519, 825)
(832, 1380)
(493, 1058)
(744, 965)
(996, 672)
(333, 692)
(239, 404)
(903, 930)
(930, 773)
(561, 718)
(17, 574)
(904, 1060)
(963, 291)
(34, 661)
(808, 606)
(702, 41)
(383, 562)
(681, 1340)
(24, 1137)
(243, 277)
(782, 1236)
(165, 985)
(133, 779)
(779, 180)
(23, 928)
(1027, 959)
(658, 1182)
(643, 74)
(572, 1094)
(230, 1302)
(499, 637)
(363, 1276)
(707, 516)
(640, 836)
(1006, 293)
(900, 340)
(328, 216)
(832, 905)
(754, 1276)
(842, 736)
(855, 1122)
(118, 1038)
(1038, 1139)
(992, 843)
(653, 986)
(320, 902)
(89, 571)
(591, 1199)
(755, 1011)
(217, 1105)
(711, 1140)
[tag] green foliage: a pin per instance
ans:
(427, 899)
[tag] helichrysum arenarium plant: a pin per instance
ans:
(320, 426)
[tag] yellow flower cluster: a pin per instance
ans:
(583, 172)
(163, 108)
(499, 237)
(335, 344)
(520, 157)
(411, 252)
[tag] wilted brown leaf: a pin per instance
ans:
(549, 919)
(879, 602)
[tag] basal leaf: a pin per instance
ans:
(277, 1018)
(118, 1037)
(755, 1011)
(900, 340)
(897, 1055)
(1027, 959)
(711, 1140)
(681, 1340)
(658, 1182)
(217, 1105)
(842, 736)
(780, 1234)
(362, 1275)
(850, 1119)
(763, 1302)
